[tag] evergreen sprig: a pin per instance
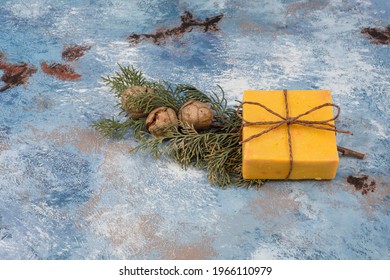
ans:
(215, 149)
(128, 76)
(116, 129)
(163, 94)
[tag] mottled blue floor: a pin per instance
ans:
(67, 193)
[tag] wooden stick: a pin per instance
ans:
(348, 152)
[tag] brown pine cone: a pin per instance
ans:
(197, 114)
(130, 109)
(160, 120)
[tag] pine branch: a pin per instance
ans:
(115, 129)
(127, 77)
(215, 149)
(150, 143)
(163, 95)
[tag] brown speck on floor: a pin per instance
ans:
(61, 71)
(378, 35)
(187, 25)
(14, 74)
(74, 52)
(362, 183)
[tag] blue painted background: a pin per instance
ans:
(67, 193)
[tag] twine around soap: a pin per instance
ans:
(321, 124)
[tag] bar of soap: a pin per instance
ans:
(314, 151)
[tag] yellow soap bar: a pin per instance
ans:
(267, 157)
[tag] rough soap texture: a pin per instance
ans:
(314, 150)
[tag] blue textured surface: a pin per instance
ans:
(66, 193)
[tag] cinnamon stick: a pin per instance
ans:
(348, 152)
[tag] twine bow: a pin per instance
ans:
(321, 124)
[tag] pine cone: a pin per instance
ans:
(160, 120)
(196, 113)
(130, 109)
